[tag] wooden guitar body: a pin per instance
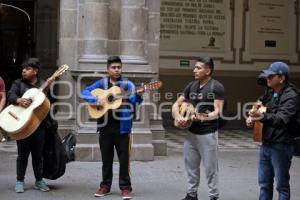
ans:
(186, 110)
(20, 122)
(110, 99)
(258, 127)
(257, 132)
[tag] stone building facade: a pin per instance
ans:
(89, 32)
(157, 40)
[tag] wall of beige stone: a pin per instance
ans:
(240, 55)
(89, 32)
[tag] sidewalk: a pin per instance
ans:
(161, 179)
(228, 139)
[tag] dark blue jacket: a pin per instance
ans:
(126, 112)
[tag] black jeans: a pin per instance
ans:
(33, 144)
(109, 138)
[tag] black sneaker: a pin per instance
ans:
(214, 198)
(188, 197)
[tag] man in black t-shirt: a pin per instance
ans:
(207, 96)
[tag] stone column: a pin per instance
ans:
(93, 31)
(133, 23)
(68, 32)
(67, 37)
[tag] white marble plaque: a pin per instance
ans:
(193, 25)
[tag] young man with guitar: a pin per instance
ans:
(114, 127)
(207, 97)
(276, 152)
(35, 142)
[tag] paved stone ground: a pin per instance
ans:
(228, 139)
(161, 179)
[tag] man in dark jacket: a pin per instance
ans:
(33, 144)
(276, 151)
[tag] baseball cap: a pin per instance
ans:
(277, 68)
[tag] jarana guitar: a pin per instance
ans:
(112, 98)
(20, 122)
(186, 110)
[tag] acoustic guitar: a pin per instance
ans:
(20, 122)
(258, 126)
(187, 110)
(113, 97)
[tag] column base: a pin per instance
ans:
(87, 148)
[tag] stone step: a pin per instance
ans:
(160, 147)
(91, 152)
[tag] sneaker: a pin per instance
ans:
(41, 185)
(19, 188)
(102, 191)
(214, 198)
(188, 197)
(126, 194)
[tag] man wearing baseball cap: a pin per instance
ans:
(276, 151)
(277, 68)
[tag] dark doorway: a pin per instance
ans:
(16, 37)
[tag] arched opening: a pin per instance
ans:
(16, 37)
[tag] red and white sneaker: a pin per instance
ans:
(126, 194)
(102, 191)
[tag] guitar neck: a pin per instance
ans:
(44, 86)
(140, 89)
(149, 86)
(56, 74)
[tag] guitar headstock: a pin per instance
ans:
(60, 71)
(152, 85)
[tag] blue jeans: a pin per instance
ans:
(275, 161)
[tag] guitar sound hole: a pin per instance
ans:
(99, 107)
(185, 114)
(110, 98)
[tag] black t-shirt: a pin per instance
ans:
(203, 99)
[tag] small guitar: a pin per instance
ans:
(112, 98)
(21, 122)
(258, 126)
(187, 110)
